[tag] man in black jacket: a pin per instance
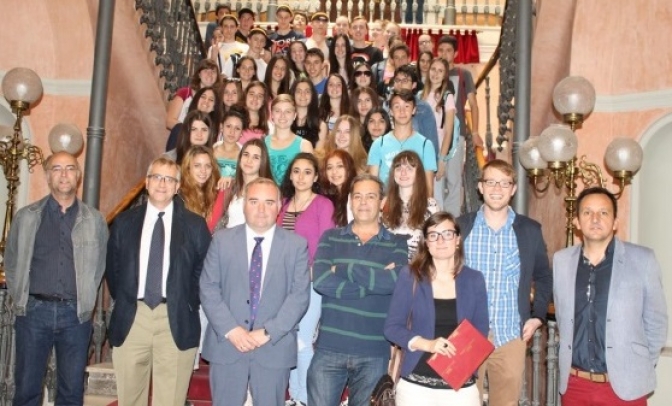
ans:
(509, 249)
(154, 261)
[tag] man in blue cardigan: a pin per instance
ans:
(510, 251)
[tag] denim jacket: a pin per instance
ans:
(89, 241)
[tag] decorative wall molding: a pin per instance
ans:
(62, 87)
(634, 101)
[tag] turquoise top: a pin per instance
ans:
(227, 167)
(280, 158)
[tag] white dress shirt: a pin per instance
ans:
(151, 216)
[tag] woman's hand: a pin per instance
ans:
(441, 346)
(224, 183)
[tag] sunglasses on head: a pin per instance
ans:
(362, 73)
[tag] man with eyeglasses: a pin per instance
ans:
(425, 43)
(611, 311)
(509, 249)
(154, 260)
(361, 50)
(54, 261)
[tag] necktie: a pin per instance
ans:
(154, 281)
(255, 279)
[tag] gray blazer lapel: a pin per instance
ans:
(618, 272)
(241, 260)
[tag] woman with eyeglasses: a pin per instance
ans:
(254, 100)
(246, 71)
(345, 136)
(206, 75)
(283, 144)
(253, 162)
(335, 101)
(376, 123)
(361, 76)
(309, 214)
(406, 205)
(433, 295)
(278, 76)
(307, 124)
(363, 100)
(340, 57)
(336, 175)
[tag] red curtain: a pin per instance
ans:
(467, 43)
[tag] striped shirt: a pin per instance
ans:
(496, 255)
(356, 283)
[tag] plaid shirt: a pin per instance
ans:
(495, 254)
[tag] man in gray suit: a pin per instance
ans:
(610, 309)
(254, 302)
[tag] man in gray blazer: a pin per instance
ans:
(254, 290)
(610, 309)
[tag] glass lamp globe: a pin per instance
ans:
(574, 98)
(529, 155)
(22, 86)
(66, 137)
(624, 156)
(558, 143)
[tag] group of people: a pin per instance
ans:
(301, 223)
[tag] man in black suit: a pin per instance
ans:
(154, 261)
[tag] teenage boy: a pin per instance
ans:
(314, 65)
(284, 35)
(341, 26)
(402, 138)
(465, 92)
(246, 18)
(400, 55)
(256, 41)
(222, 51)
(319, 22)
(406, 78)
(361, 50)
(220, 11)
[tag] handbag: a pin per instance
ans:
(384, 393)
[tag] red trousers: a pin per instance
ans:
(582, 392)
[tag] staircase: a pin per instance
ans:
(101, 387)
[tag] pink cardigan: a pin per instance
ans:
(315, 220)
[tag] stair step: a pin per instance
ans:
(101, 380)
(98, 400)
(199, 387)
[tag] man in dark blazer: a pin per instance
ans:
(611, 311)
(509, 249)
(154, 261)
(250, 345)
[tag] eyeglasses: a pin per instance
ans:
(425, 42)
(447, 235)
(162, 178)
(363, 73)
(505, 184)
(403, 81)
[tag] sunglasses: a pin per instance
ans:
(363, 73)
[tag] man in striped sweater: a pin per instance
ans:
(355, 270)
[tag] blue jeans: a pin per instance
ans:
(307, 327)
(330, 372)
(47, 325)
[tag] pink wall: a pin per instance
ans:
(56, 39)
(623, 48)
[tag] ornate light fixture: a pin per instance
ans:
(551, 157)
(22, 87)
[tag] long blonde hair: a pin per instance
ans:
(355, 148)
(199, 198)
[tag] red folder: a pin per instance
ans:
(472, 348)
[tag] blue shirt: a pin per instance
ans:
(496, 255)
(356, 287)
(385, 148)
